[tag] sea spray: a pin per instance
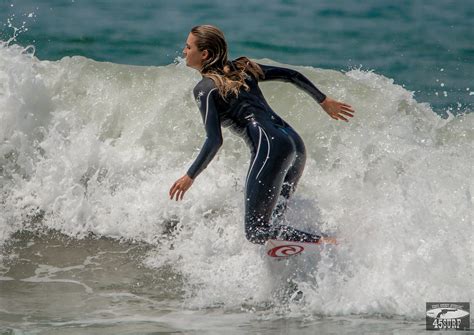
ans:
(92, 148)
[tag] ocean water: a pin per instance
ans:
(94, 132)
(425, 46)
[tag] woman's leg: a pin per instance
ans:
(293, 175)
(272, 159)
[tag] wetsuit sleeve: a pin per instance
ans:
(205, 97)
(294, 77)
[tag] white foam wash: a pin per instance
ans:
(89, 147)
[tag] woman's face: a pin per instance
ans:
(194, 57)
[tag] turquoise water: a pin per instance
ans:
(424, 45)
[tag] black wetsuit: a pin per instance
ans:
(278, 152)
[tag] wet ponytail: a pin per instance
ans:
(229, 77)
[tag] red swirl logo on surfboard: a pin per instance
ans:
(285, 250)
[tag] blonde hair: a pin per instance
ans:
(229, 77)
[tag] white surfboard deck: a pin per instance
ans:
(284, 249)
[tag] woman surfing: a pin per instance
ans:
(228, 95)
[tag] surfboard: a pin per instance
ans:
(285, 249)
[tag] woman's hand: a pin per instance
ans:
(180, 187)
(337, 110)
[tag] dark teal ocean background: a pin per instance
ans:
(427, 46)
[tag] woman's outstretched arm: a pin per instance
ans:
(335, 109)
(205, 95)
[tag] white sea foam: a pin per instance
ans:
(89, 147)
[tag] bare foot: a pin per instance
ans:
(327, 240)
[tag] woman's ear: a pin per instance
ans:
(205, 55)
